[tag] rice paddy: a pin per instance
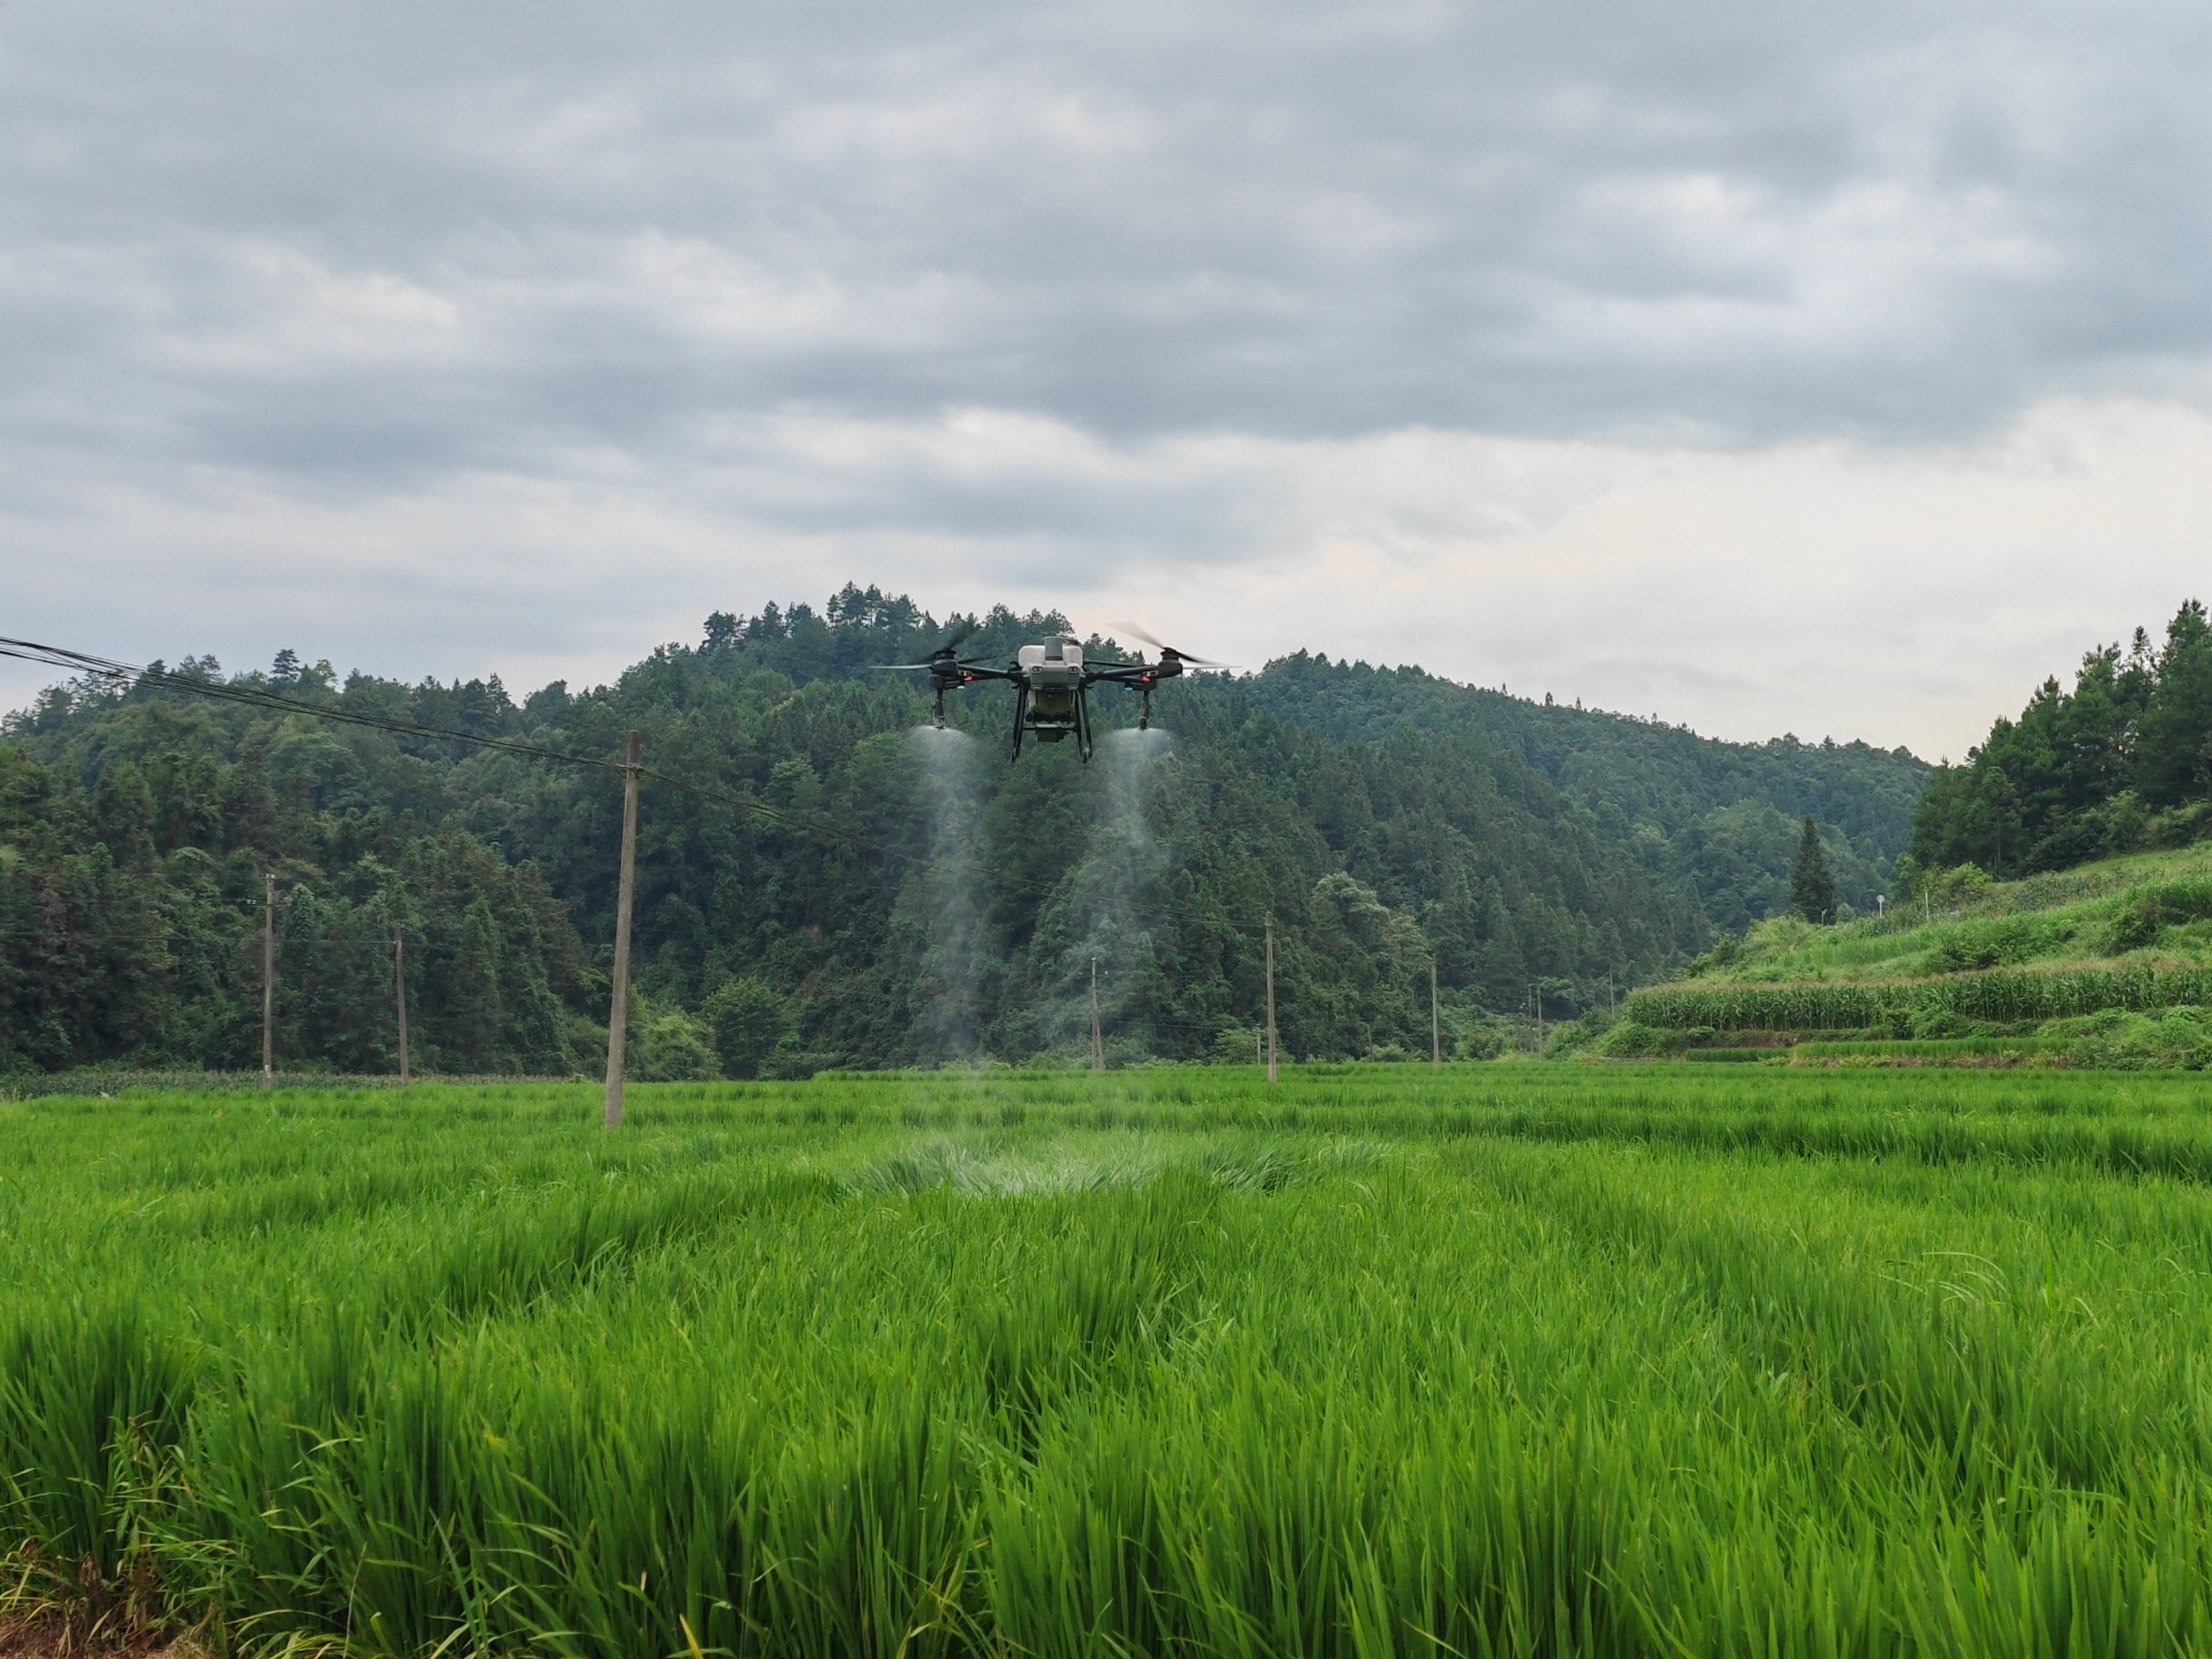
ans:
(1387, 1360)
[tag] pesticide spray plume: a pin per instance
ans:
(1108, 917)
(949, 911)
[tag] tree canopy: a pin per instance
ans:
(2123, 760)
(901, 897)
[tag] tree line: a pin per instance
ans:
(902, 898)
(2122, 762)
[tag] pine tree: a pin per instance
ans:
(2173, 744)
(1811, 888)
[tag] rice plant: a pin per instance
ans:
(1487, 1360)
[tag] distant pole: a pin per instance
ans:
(1271, 1001)
(269, 983)
(1098, 1037)
(399, 998)
(1436, 1019)
(626, 890)
(1536, 1001)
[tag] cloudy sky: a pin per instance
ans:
(1840, 369)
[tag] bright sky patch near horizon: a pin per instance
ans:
(1839, 371)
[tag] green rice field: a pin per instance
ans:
(1505, 1360)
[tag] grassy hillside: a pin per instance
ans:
(2107, 963)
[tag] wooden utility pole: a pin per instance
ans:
(1436, 1019)
(1536, 1001)
(1271, 1001)
(269, 983)
(625, 890)
(1098, 1037)
(399, 996)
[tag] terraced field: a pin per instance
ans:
(1500, 1360)
(2109, 965)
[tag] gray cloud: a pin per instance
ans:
(385, 324)
(381, 239)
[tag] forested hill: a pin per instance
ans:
(902, 898)
(1730, 813)
(2120, 764)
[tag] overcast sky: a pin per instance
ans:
(1839, 369)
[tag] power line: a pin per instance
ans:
(105, 668)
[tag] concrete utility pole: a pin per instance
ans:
(1271, 1001)
(399, 997)
(1098, 1037)
(1436, 1019)
(269, 983)
(625, 890)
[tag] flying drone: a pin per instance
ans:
(1052, 682)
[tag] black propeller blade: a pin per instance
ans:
(1167, 650)
(958, 637)
(941, 658)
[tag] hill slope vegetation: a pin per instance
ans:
(2107, 963)
(852, 891)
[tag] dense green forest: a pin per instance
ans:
(2122, 763)
(841, 886)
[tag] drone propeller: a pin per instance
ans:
(941, 658)
(958, 637)
(945, 661)
(1167, 650)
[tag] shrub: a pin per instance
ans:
(2147, 909)
(1993, 944)
(1482, 1038)
(748, 1021)
(668, 1045)
(1629, 1041)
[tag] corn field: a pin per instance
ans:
(1997, 994)
(1495, 1360)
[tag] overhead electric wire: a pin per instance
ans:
(255, 696)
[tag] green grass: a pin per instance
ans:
(2065, 918)
(1388, 1360)
(1930, 1047)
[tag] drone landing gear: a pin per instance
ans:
(1055, 725)
(1144, 715)
(941, 708)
